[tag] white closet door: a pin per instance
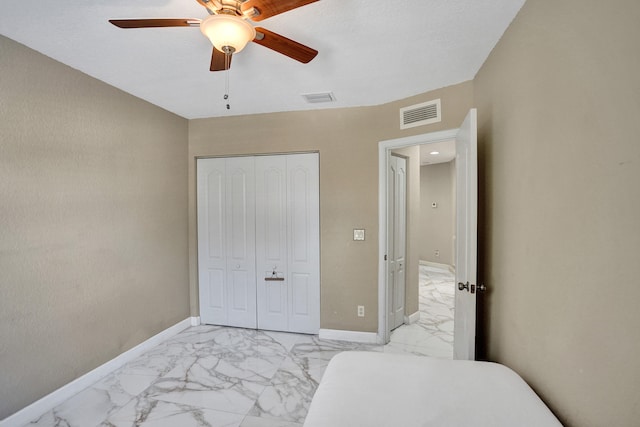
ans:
(271, 242)
(259, 242)
(226, 241)
(212, 264)
(303, 236)
(240, 233)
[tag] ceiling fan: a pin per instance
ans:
(228, 29)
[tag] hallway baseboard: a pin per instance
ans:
(56, 397)
(412, 318)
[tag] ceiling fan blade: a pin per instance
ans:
(269, 8)
(219, 61)
(285, 46)
(155, 23)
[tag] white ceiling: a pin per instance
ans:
(371, 51)
(446, 151)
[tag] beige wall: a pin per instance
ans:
(558, 102)
(93, 224)
(437, 224)
(347, 140)
(412, 258)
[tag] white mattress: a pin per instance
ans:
(379, 390)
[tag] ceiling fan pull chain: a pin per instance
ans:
(227, 58)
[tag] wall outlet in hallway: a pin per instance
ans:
(361, 311)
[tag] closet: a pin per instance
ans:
(258, 242)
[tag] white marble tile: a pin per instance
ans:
(286, 339)
(210, 383)
(250, 421)
(93, 405)
(221, 376)
(48, 419)
(152, 413)
(442, 352)
(432, 334)
(289, 395)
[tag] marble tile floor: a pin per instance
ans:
(230, 377)
(432, 334)
(208, 376)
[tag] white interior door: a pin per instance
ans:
(466, 238)
(397, 218)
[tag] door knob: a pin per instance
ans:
(463, 286)
(481, 288)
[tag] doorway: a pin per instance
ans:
(421, 241)
(466, 230)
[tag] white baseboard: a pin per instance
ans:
(353, 336)
(447, 267)
(195, 321)
(412, 318)
(55, 398)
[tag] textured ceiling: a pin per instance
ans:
(371, 51)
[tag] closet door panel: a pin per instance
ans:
(240, 232)
(303, 224)
(271, 242)
(211, 175)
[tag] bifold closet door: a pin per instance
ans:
(226, 241)
(259, 242)
(287, 243)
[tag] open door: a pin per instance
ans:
(466, 238)
(396, 237)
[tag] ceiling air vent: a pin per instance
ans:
(420, 114)
(316, 98)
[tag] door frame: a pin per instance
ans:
(384, 151)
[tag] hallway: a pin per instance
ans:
(432, 335)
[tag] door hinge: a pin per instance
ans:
(385, 257)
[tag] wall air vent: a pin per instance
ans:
(420, 114)
(316, 98)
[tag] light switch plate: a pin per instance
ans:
(358, 234)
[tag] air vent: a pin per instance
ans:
(420, 114)
(316, 98)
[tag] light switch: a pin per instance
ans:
(358, 234)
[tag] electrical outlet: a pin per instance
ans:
(361, 311)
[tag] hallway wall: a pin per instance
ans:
(437, 184)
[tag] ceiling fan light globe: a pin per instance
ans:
(226, 31)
